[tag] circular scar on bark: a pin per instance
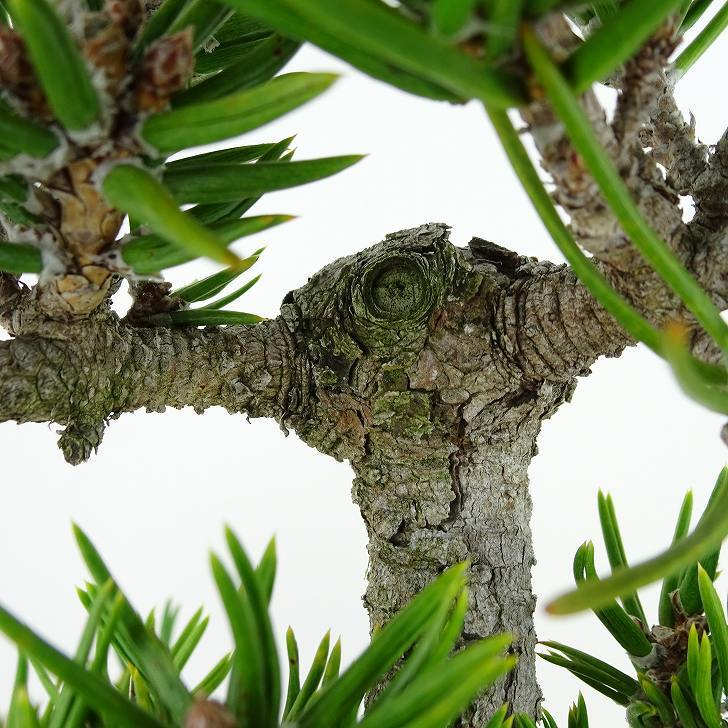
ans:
(396, 290)
(395, 286)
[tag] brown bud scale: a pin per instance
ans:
(166, 69)
(17, 75)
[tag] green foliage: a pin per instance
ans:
(705, 383)
(240, 68)
(150, 253)
(504, 17)
(212, 121)
(138, 193)
(151, 690)
(681, 677)
(23, 136)
(425, 39)
(578, 718)
(620, 36)
(703, 546)
(694, 12)
(204, 17)
(230, 183)
(204, 317)
(128, 126)
(615, 551)
(451, 16)
(707, 36)
(20, 258)
(237, 293)
(379, 40)
(203, 290)
(208, 287)
(672, 581)
(610, 613)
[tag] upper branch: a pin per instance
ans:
(594, 225)
(659, 160)
(710, 190)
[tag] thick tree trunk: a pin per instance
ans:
(423, 385)
(429, 507)
(428, 367)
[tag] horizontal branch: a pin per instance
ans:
(710, 190)
(83, 373)
(554, 327)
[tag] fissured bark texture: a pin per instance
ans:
(429, 367)
(433, 368)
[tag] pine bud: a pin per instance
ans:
(129, 14)
(17, 75)
(165, 70)
(107, 47)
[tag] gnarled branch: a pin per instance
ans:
(83, 373)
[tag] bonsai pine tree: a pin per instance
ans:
(428, 367)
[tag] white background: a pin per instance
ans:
(156, 496)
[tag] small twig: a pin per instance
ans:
(150, 298)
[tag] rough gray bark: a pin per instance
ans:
(84, 373)
(428, 367)
(429, 380)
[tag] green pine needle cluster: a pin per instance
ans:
(430, 689)
(681, 663)
(94, 100)
(577, 718)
